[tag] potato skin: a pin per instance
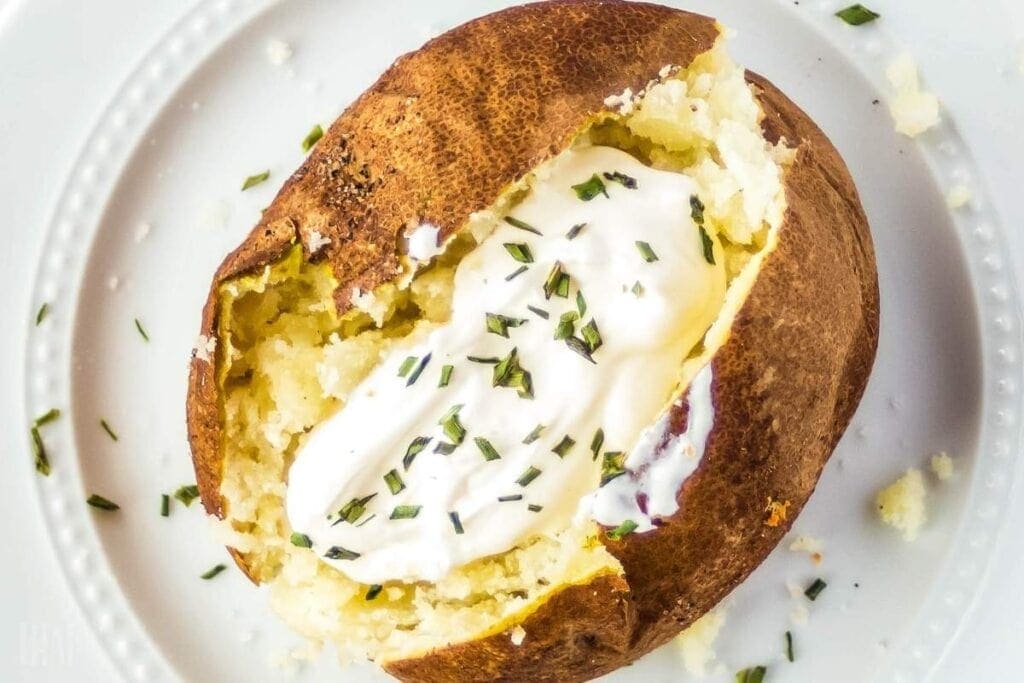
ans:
(439, 136)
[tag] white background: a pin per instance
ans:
(37, 147)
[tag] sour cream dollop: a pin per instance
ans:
(387, 488)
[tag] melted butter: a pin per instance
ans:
(645, 339)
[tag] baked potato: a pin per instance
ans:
(756, 323)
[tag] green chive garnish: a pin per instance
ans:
(566, 326)
(814, 590)
(557, 282)
(366, 520)
(102, 503)
(528, 476)
(696, 209)
(414, 449)
(108, 430)
(581, 303)
(405, 511)
(415, 375)
(374, 591)
(515, 273)
(186, 494)
(522, 225)
(353, 510)
(41, 314)
(637, 289)
(540, 312)
(624, 529)
(789, 646)
(597, 442)
(563, 446)
(456, 522)
(486, 360)
(856, 15)
(301, 540)
(510, 499)
(498, 324)
(519, 251)
(574, 231)
(453, 429)
(42, 461)
(646, 252)
(754, 674)
(534, 435)
(488, 451)
(707, 245)
(254, 180)
(212, 572)
(446, 375)
(613, 465)
(621, 178)
(141, 329)
(406, 365)
(165, 505)
(590, 188)
(581, 347)
(509, 373)
(592, 336)
(445, 448)
(336, 552)
(47, 417)
(394, 482)
(312, 137)
(534, 508)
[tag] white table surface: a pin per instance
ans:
(42, 636)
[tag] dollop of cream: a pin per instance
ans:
(637, 271)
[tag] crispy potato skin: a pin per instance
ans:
(439, 136)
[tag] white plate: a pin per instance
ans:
(205, 109)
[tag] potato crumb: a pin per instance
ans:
(901, 504)
(942, 466)
(776, 512)
(623, 103)
(799, 614)
(913, 110)
(808, 544)
(278, 52)
(204, 348)
(958, 196)
(315, 241)
(518, 635)
(696, 643)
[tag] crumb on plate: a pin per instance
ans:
(958, 196)
(901, 504)
(913, 110)
(278, 52)
(942, 466)
(696, 643)
(808, 544)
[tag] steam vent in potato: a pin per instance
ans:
(540, 351)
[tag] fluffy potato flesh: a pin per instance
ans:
(287, 360)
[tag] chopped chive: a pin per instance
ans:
(41, 314)
(165, 505)
(405, 511)
(373, 591)
(566, 325)
(522, 225)
(553, 280)
(857, 15)
(637, 289)
(394, 482)
(336, 552)
(516, 273)
(613, 465)
(445, 448)
(562, 288)
(488, 451)
(254, 180)
(414, 449)
(212, 572)
(592, 336)
(453, 429)
(366, 520)
(498, 324)
(446, 375)
(646, 252)
(456, 522)
(509, 373)
(534, 508)
(141, 329)
(353, 510)
(597, 442)
(46, 418)
(540, 312)
(814, 590)
(486, 360)
(581, 303)
(312, 137)
(621, 178)
(415, 375)
(624, 529)
(581, 347)
(186, 494)
(696, 209)
(301, 540)
(707, 245)
(534, 435)
(528, 476)
(520, 251)
(754, 674)
(406, 365)
(98, 501)
(590, 188)
(108, 430)
(789, 646)
(563, 446)
(574, 231)
(510, 499)
(42, 461)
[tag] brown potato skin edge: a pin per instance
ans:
(786, 382)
